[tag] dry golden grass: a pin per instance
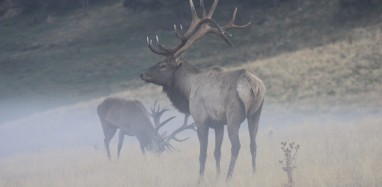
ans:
(332, 75)
(332, 154)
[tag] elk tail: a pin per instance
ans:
(251, 91)
(258, 91)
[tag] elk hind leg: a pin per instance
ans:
(109, 134)
(233, 134)
(253, 125)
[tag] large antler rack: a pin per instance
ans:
(182, 128)
(185, 126)
(197, 29)
(156, 114)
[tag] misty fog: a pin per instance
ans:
(320, 62)
(78, 125)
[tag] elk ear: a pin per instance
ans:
(179, 59)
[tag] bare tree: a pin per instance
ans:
(132, 119)
(214, 97)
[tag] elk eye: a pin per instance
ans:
(161, 66)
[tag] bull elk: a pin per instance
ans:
(214, 97)
(132, 119)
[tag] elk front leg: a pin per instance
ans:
(203, 141)
(219, 134)
(120, 141)
(233, 134)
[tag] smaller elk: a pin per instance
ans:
(132, 119)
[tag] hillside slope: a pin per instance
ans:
(342, 75)
(53, 59)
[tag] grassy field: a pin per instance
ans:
(331, 154)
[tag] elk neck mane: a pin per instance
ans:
(179, 89)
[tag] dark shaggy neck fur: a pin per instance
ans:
(179, 89)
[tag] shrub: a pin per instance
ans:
(288, 164)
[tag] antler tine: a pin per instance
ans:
(154, 50)
(222, 35)
(212, 10)
(231, 24)
(170, 147)
(159, 112)
(193, 126)
(193, 11)
(162, 111)
(195, 24)
(157, 109)
(156, 113)
(180, 140)
(164, 122)
(172, 136)
(203, 8)
(162, 47)
(152, 114)
(158, 126)
(178, 35)
(196, 21)
(222, 31)
(190, 38)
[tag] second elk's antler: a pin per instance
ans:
(185, 126)
(157, 112)
(197, 29)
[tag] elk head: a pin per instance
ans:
(163, 72)
(157, 145)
